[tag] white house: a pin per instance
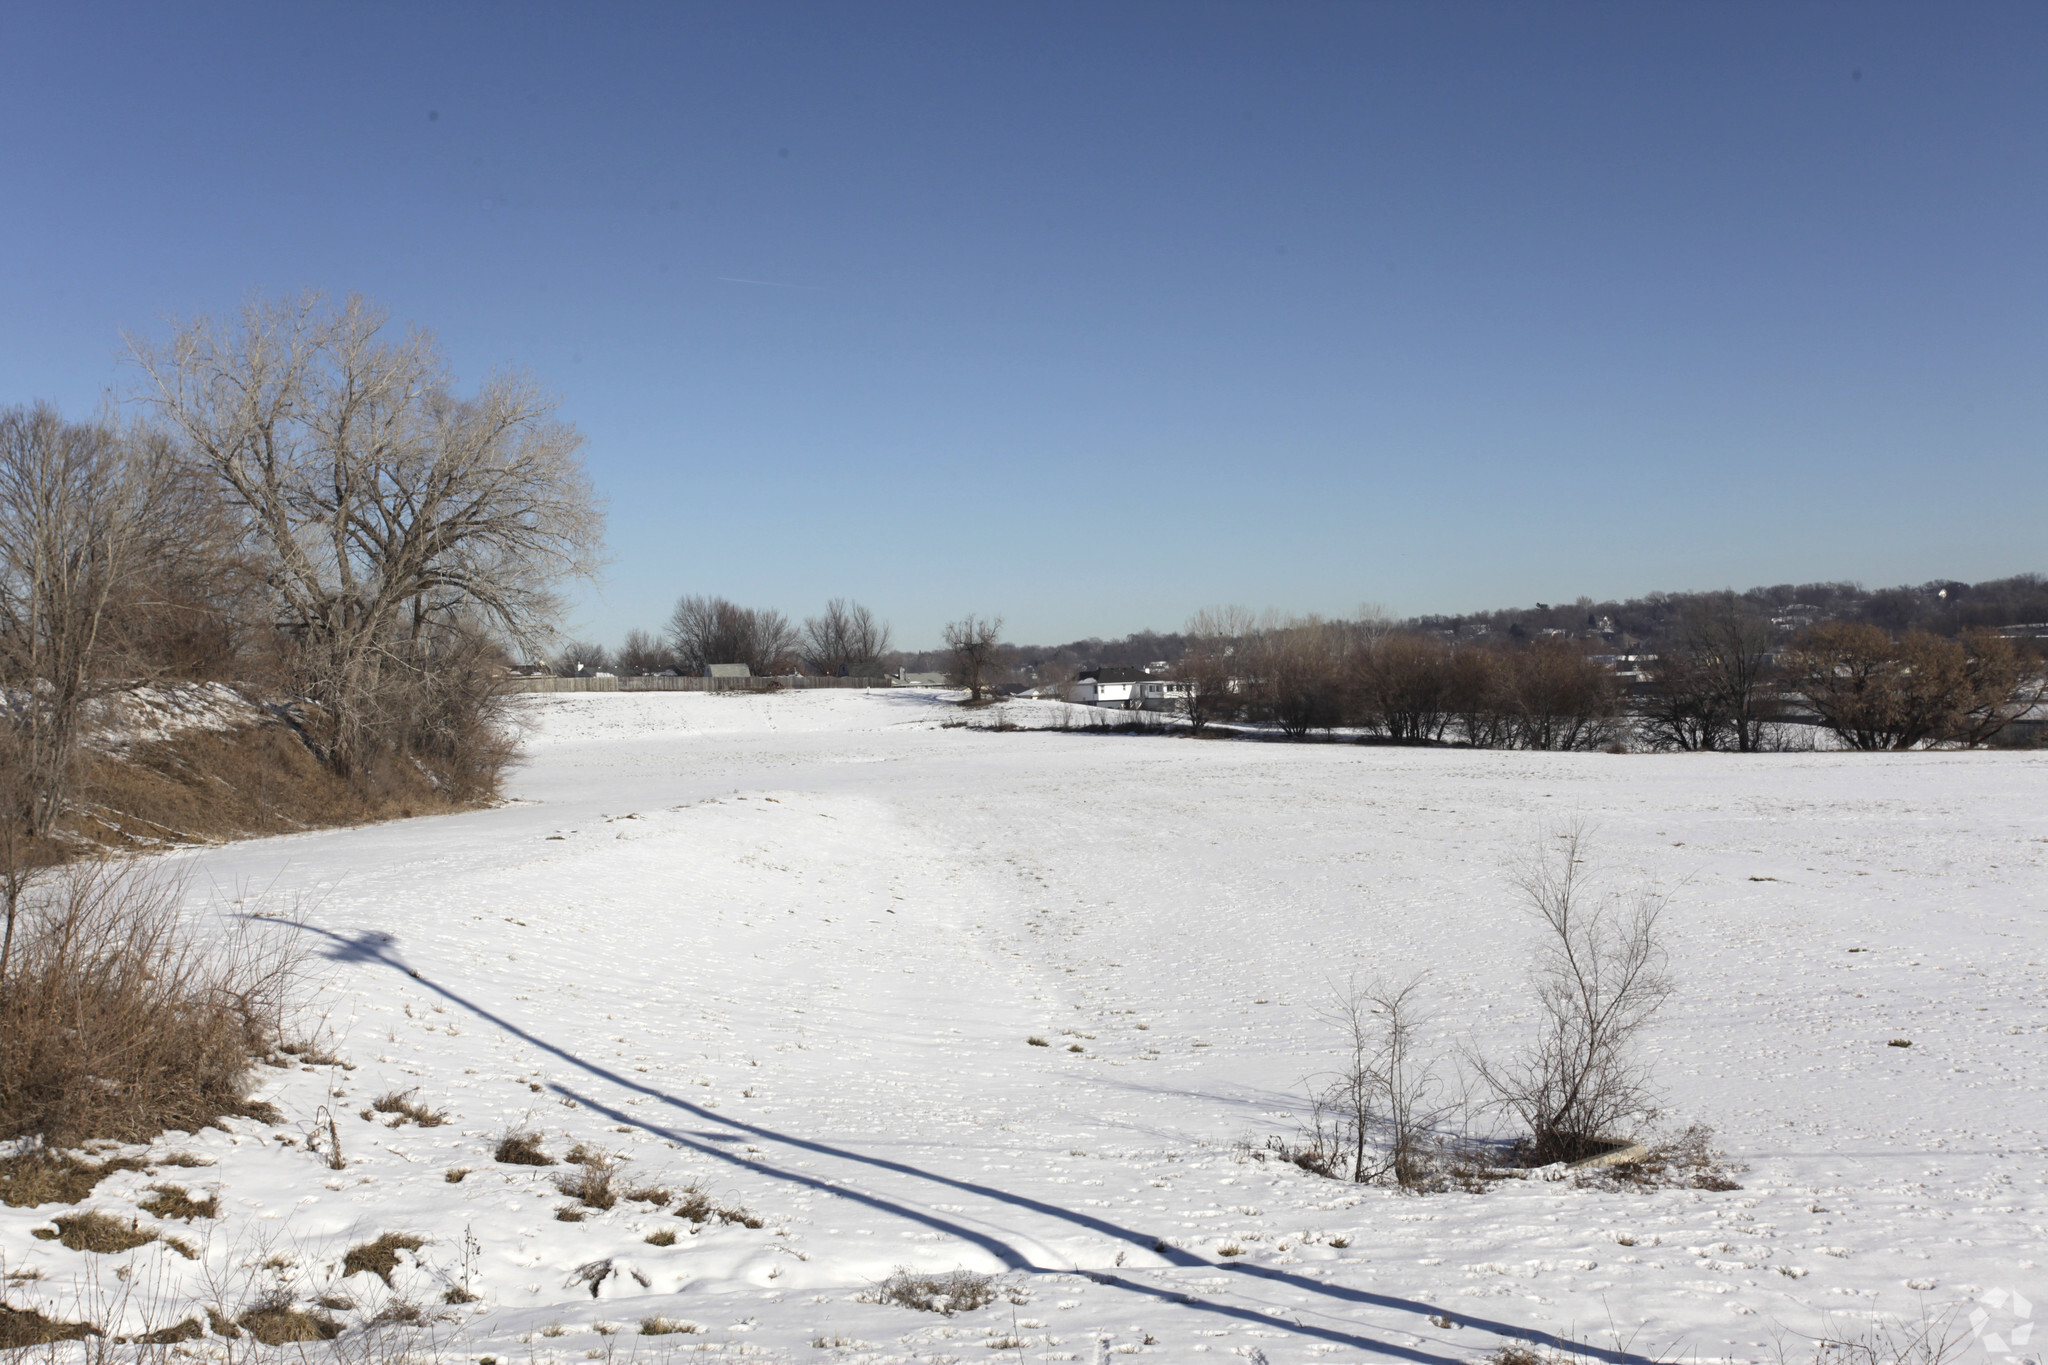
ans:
(1108, 687)
(1161, 694)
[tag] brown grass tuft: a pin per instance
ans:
(276, 1321)
(591, 1183)
(175, 1201)
(119, 1020)
(521, 1147)
(41, 1176)
(25, 1327)
(380, 1257)
(402, 1103)
(95, 1231)
(661, 1237)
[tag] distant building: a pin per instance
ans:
(727, 671)
(1162, 694)
(1108, 686)
(905, 678)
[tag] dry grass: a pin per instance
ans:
(956, 1291)
(402, 1103)
(661, 1237)
(521, 1147)
(206, 786)
(96, 1231)
(275, 1320)
(119, 1019)
(697, 1205)
(1687, 1160)
(175, 1201)
(21, 1327)
(591, 1184)
(454, 1175)
(661, 1326)
(42, 1176)
(380, 1257)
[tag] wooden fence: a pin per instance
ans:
(607, 684)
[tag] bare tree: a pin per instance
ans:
(847, 637)
(582, 657)
(1214, 636)
(1405, 686)
(1379, 1117)
(1716, 685)
(1876, 692)
(642, 654)
(79, 508)
(1999, 685)
(710, 630)
(386, 506)
(1598, 980)
(972, 644)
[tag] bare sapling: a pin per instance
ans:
(1380, 1116)
(1598, 980)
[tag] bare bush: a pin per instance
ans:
(1598, 982)
(710, 630)
(121, 1019)
(1379, 1117)
(955, 1291)
(972, 645)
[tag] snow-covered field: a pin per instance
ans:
(792, 947)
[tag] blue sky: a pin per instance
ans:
(1092, 315)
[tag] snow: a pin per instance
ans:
(791, 947)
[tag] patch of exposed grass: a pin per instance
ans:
(402, 1103)
(570, 1213)
(25, 1327)
(96, 1231)
(175, 1201)
(454, 1176)
(186, 1330)
(661, 1237)
(380, 1257)
(521, 1147)
(663, 1326)
(276, 1321)
(956, 1291)
(42, 1176)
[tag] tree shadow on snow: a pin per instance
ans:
(377, 947)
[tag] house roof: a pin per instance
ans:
(1114, 675)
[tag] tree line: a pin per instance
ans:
(1724, 680)
(845, 640)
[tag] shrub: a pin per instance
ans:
(275, 1320)
(118, 1020)
(956, 1291)
(590, 1184)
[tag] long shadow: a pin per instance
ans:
(369, 947)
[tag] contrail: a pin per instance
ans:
(773, 284)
